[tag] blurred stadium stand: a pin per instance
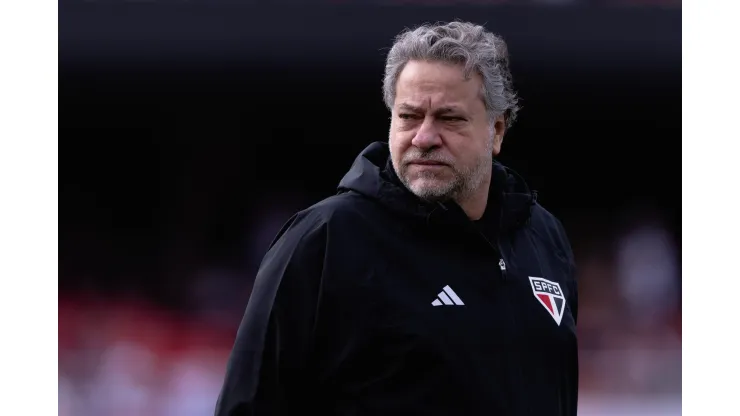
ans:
(194, 129)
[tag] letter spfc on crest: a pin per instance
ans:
(550, 296)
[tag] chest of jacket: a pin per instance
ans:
(465, 292)
(444, 319)
(459, 297)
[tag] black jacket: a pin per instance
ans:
(372, 302)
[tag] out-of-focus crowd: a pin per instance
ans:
(128, 356)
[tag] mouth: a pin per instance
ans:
(426, 163)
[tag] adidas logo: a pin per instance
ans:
(447, 297)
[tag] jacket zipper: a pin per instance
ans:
(496, 248)
(499, 252)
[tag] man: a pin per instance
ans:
(433, 283)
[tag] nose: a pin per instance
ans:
(427, 136)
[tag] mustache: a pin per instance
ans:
(426, 157)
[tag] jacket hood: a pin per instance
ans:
(509, 205)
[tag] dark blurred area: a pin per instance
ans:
(194, 129)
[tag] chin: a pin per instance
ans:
(430, 189)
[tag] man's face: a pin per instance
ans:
(440, 138)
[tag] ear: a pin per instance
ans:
(499, 128)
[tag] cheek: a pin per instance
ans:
(399, 141)
(467, 151)
(393, 144)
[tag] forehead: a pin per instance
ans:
(434, 84)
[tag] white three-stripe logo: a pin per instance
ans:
(447, 297)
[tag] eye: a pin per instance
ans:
(452, 118)
(406, 116)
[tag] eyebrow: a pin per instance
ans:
(438, 112)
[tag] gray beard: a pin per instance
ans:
(463, 184)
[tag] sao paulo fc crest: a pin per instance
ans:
(550, 296)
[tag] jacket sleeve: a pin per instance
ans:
(267, 372)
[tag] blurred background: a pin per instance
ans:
(193, 129)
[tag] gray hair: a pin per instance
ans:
(462, 43)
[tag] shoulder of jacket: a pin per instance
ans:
(543, 216)
(549, 227)
(340, 208)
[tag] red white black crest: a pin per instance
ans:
(548, 293)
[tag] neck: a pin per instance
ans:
(475, 204)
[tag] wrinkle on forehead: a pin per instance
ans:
(430, 86)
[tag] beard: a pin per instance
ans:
(455, 181)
